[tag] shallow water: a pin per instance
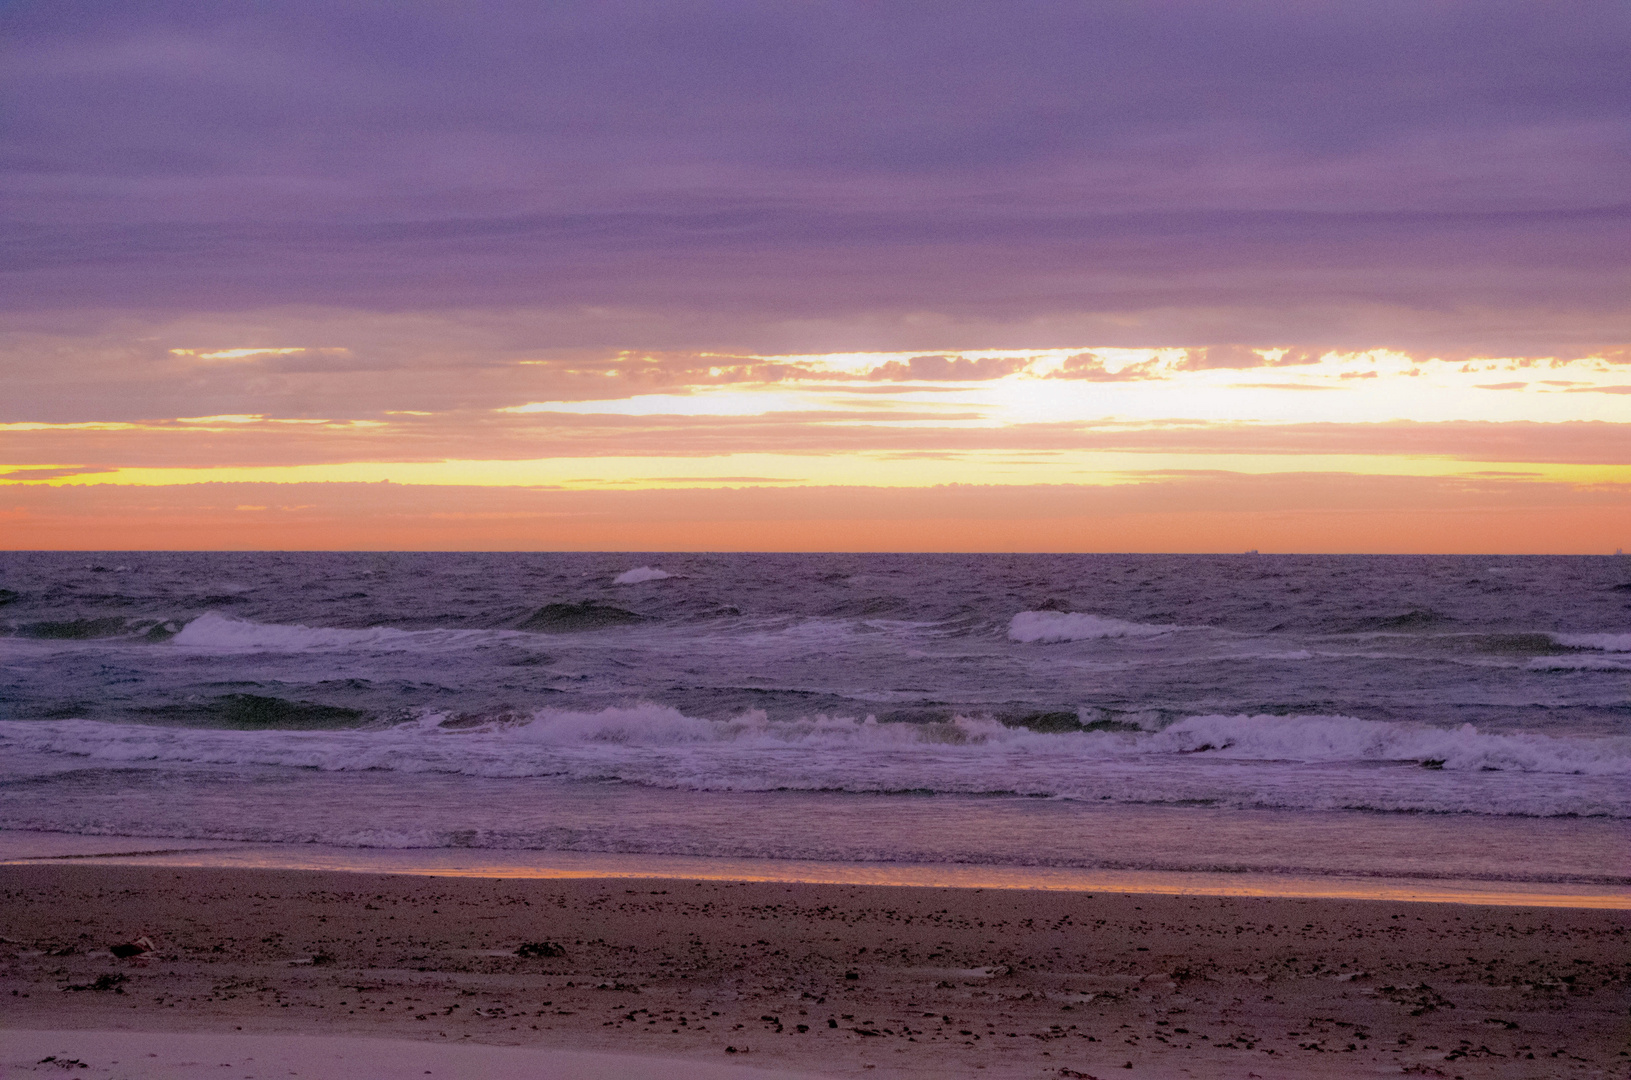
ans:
(1411, 716)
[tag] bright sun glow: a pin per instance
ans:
(255, 353)
(906, 420)
(1151, 384)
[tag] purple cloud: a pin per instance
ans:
(706, 175)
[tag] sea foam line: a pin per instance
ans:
(1048, 627)
(1605, 642)
(840, 745)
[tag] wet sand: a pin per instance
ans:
(148, 1055)
(835, 980)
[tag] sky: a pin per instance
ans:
(1019, 276)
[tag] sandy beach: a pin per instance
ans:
(827, 980)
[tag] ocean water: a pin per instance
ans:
(1414, 717)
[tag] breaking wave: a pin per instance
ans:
(1604, 642)
(1581, 663)
(1046, 627)
(639, 574)
(222, 633)
(1346, 739)
(508, 745)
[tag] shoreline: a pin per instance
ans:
(835, 980)
(19, 847)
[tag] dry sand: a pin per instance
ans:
(829, 979)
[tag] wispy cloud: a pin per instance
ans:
(720, 176)
(62, 473)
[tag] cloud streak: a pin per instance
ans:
(737, 176)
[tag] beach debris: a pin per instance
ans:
(62, 1063)
(102, 984)
(1423, 997)
(539, 949)
(126, 949)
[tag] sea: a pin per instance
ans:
(1397, 718)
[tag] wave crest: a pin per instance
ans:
(1347, 739)
(1046, 627)
(1605, 642)
(215, 632)
(639, 574)
(532, 744)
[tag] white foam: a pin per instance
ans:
(1581, 663)
(1605, 642)
(641, 725)
(1053, 626)
(1348, 739)
(507, 747)
(1288, 762)
(639, 574)
(214, 632)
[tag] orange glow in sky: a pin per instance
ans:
(1465, 447)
